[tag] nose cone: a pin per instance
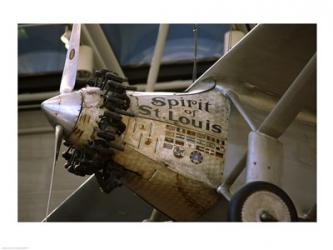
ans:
(63, 110)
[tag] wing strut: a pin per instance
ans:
(292, 102)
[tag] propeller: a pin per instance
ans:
(72, 60)
(63, 110)
(58, 138)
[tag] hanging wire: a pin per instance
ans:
(195, 38)
(232, 27)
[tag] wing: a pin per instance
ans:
(269, 57)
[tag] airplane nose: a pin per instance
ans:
(63, 110)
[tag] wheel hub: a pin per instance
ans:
(264, 206)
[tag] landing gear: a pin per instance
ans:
(261, 202)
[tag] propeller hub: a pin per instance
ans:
(63, 110)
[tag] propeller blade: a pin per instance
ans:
(58, 139)
(72, 59)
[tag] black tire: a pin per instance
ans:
(236, 205)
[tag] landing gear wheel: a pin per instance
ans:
(261, 202)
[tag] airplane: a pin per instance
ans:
(173, 149)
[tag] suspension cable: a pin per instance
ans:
(195, 38)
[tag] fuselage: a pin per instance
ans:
(179, 141)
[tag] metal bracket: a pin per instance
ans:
(264, 159)
(235, 101)
(224, 188)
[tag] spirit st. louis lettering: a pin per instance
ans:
(191, 109)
